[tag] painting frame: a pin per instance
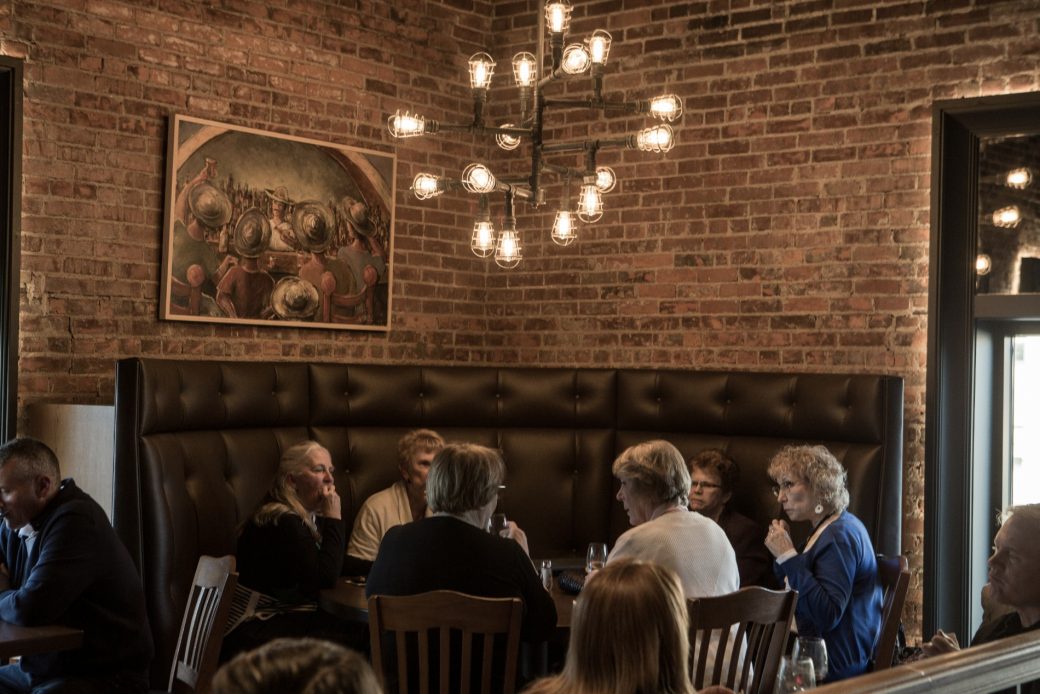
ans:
(263, 228)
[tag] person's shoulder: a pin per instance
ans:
(848, 524)
(73, 501)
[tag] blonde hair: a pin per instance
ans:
(656, 470)
(283, 497)
(415, 442)
(463, 477)
(628, 635)
(819, 469)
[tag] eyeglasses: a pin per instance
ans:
(784, 487)
(704, 485)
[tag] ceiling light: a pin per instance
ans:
(534, 73)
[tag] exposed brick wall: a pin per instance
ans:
(788, 230)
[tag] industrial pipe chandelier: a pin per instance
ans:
(567, 60)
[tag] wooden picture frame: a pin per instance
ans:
(262, 228)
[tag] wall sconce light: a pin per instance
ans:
(1007, 217)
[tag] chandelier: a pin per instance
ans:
(567, 60)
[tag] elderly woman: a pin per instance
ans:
(655, 489)
(835, 574)
(450, 550)
(403, 502)
(713, 476)
(628, 634)
(292, 547)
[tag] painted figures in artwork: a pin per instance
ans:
(250, 250)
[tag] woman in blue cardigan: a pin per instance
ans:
(835, 573)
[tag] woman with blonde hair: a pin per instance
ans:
(835, 572)
(291, 548)
(628, 634)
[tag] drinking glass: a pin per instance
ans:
(545, 571)
(499, 525)
(815, 650)
(795, 675)
(596, 557)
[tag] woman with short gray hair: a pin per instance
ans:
(451, 549)
(655, 487)
(835, 573)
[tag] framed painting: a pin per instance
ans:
(268, 229)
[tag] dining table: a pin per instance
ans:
(17, 640)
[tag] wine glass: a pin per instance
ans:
(596, 557)
(795, 675)
(499, 525)
(815, 650)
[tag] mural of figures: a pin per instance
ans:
(269, 229)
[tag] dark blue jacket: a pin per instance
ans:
(839, 598)
(78, 574)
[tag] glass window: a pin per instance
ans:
(1024, 431)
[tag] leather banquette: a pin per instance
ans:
(198, 443)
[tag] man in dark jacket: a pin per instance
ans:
(61, 563)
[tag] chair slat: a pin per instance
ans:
(202, 628)
(450, 613)
(747, 630)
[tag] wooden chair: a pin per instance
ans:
(454, 618)
(202, 629)
(894, 577)
(763, 620)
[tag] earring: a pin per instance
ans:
(819, 508)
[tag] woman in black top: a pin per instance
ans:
(291, 548)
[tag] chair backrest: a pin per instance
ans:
(455, 619)
(763, 621)
(202, 630)
(894, 577)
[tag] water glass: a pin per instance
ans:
(596, 557)
(499, 525)
(815, 650)
(795, 675)
(545, 571)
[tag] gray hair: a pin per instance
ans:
(819, 469)
(656, 470)
(463, 477)
(33, 458)
(1028, 513)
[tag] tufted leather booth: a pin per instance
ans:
(197, 445)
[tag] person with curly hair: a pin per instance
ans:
(835, 573)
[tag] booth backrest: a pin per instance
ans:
(198, 443)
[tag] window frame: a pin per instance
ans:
(11, 76)
(966, 365)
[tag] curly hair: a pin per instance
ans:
(819, 469)
(656, 470)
